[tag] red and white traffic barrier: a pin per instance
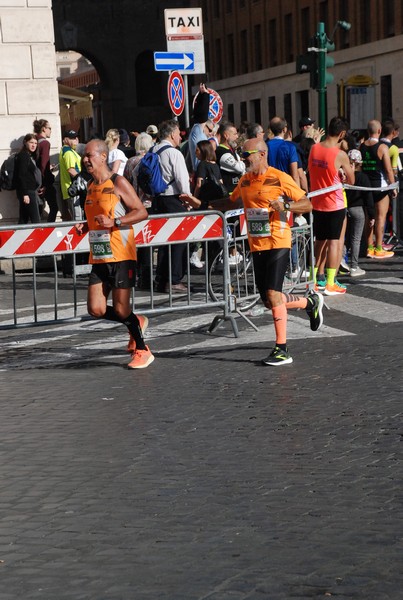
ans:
(35, 241)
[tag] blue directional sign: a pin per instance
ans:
(174, 61)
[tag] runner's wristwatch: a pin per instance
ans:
(287, 205)
(118, 222)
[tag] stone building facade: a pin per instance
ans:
(28, 87)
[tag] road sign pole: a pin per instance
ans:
(187, 119)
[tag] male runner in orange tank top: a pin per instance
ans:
(268, 195)
(112, 207)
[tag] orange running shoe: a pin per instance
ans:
(131, 346)
(141, 359)
(370, 252)
(334, 290)
(383, 254)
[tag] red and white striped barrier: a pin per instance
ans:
(36, 241)
(238, 212)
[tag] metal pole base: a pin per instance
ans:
(217, 321)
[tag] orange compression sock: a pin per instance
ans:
(280, 323)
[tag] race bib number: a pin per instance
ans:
(258, 222)
(100, 244)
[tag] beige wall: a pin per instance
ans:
(384, 57)
(28, 87)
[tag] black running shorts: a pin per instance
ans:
(118, 275)
(270, 267)
(327, 225)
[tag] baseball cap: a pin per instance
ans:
(71, 134)
(152, 130)
(355, 156)
(306, 121)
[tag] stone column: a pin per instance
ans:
(28, 86)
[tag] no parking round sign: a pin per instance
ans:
(176, 93)
(215, 106)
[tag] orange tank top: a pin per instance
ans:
(324, 174)
(107, 245)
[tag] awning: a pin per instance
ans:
(74, 104)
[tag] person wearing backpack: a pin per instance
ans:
(28, 180)
(142, 145)
(171, 200)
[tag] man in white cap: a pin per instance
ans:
(153, 131)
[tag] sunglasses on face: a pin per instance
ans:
(247, 153)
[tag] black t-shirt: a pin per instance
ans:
(361, 197)
(25, 168)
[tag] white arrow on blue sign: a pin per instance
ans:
(174, 61)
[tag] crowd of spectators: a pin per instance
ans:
(203, 165)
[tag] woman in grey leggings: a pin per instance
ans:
(359, 205)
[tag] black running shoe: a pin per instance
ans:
(277, 358)
(314, 310)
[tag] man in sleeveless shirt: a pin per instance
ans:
(377, 166)
(231, 166)
(328, 166)
(268, 195)
(112, 207)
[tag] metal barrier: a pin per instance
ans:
(227, 281)
(50, 240)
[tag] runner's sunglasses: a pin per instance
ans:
(247, 153)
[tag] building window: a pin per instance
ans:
(343, 16)
(205, 10)
(244, 112)
(272, 106)
(365, 14)
(257, 34)
(231, 55)
(306, 33)
(323, 13)
(244, 51)
(257, 112)
(229, 6)
(386, 96)
(302, 99)
(389, 18)
(288, 38)
(207, 58)
(218, 59)
(273, 60)
(216, 9)
(241, 3)
(231, 114)
(288, 109)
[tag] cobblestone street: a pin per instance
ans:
(206, 476)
